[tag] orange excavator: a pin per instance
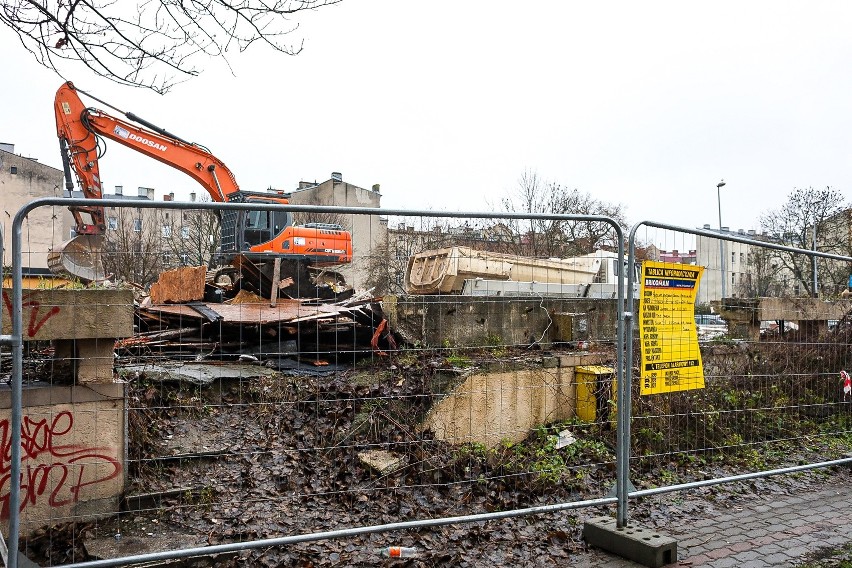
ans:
(254, 236)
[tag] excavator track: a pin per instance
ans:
(297, 279)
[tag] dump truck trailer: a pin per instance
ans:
(467, 271)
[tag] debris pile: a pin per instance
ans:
(192, 314)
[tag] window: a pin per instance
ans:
(184, 259)
(733, 258)
(167, 231)
(742, 257)
(112, 223)
(184, 232)
(167, 258)
(137, 225)
(13, 170)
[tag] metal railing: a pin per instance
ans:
(292, 425)
(262, 399)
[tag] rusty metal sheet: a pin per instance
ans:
(259, 314)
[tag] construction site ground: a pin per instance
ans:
(259, 457)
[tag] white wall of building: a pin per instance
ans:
(21, 181)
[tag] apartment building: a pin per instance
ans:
(24, 179)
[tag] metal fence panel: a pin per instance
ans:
(776, 398)
(250, 425)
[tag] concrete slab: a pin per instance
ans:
(647, 547)
(383, 461)
(197, 373)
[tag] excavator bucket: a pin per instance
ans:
(80, 258)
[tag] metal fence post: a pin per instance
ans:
(16, 388)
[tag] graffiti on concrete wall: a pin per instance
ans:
(38, 317)
(54, 471)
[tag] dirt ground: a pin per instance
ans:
(247, 459)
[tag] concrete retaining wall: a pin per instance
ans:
(506, 402)
(73, 437)
(72, 459)
(466, 321)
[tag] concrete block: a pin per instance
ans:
(73, 314)
(92, 360)
(647, 547)
(382, 461)
(72, 453)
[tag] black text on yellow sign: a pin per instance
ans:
(671, 360)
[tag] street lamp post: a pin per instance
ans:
(719, 187)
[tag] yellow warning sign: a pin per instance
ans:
(671, 360)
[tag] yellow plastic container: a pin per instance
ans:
(596, 392)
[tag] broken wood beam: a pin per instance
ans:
(184, 284)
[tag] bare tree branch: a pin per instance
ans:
(554, 238)
(155, 43)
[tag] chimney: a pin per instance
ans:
(336, 176)
(119, 190)
(752, 232)
(706, 225)
(192, 197)
(376, 187)
(740, 232)
(7, 147)
(169, 197)
(150, 191)
(143, 192)
(726, 229)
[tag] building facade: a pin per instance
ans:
(22, 180)
(368, 231)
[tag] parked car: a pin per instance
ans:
(710, 326)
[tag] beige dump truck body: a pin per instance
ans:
(444, 271)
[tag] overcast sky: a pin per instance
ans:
(446, 104)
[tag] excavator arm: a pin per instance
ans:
(78, 127)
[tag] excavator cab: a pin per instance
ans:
(262, 226)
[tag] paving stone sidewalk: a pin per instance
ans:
(758, 531)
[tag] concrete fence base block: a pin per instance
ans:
(647, 547)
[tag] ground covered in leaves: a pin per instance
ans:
(255, 458)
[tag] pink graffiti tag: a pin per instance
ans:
(62, 468)
(35, 323)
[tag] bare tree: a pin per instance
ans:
(559, 238)
(303, 218)
(153, 44)
(763, 278)
(808, 212)
(133, 245)
(193, 237)
(835, 235)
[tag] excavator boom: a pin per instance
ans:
(79, 126)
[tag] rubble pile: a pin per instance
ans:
(186, 317)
